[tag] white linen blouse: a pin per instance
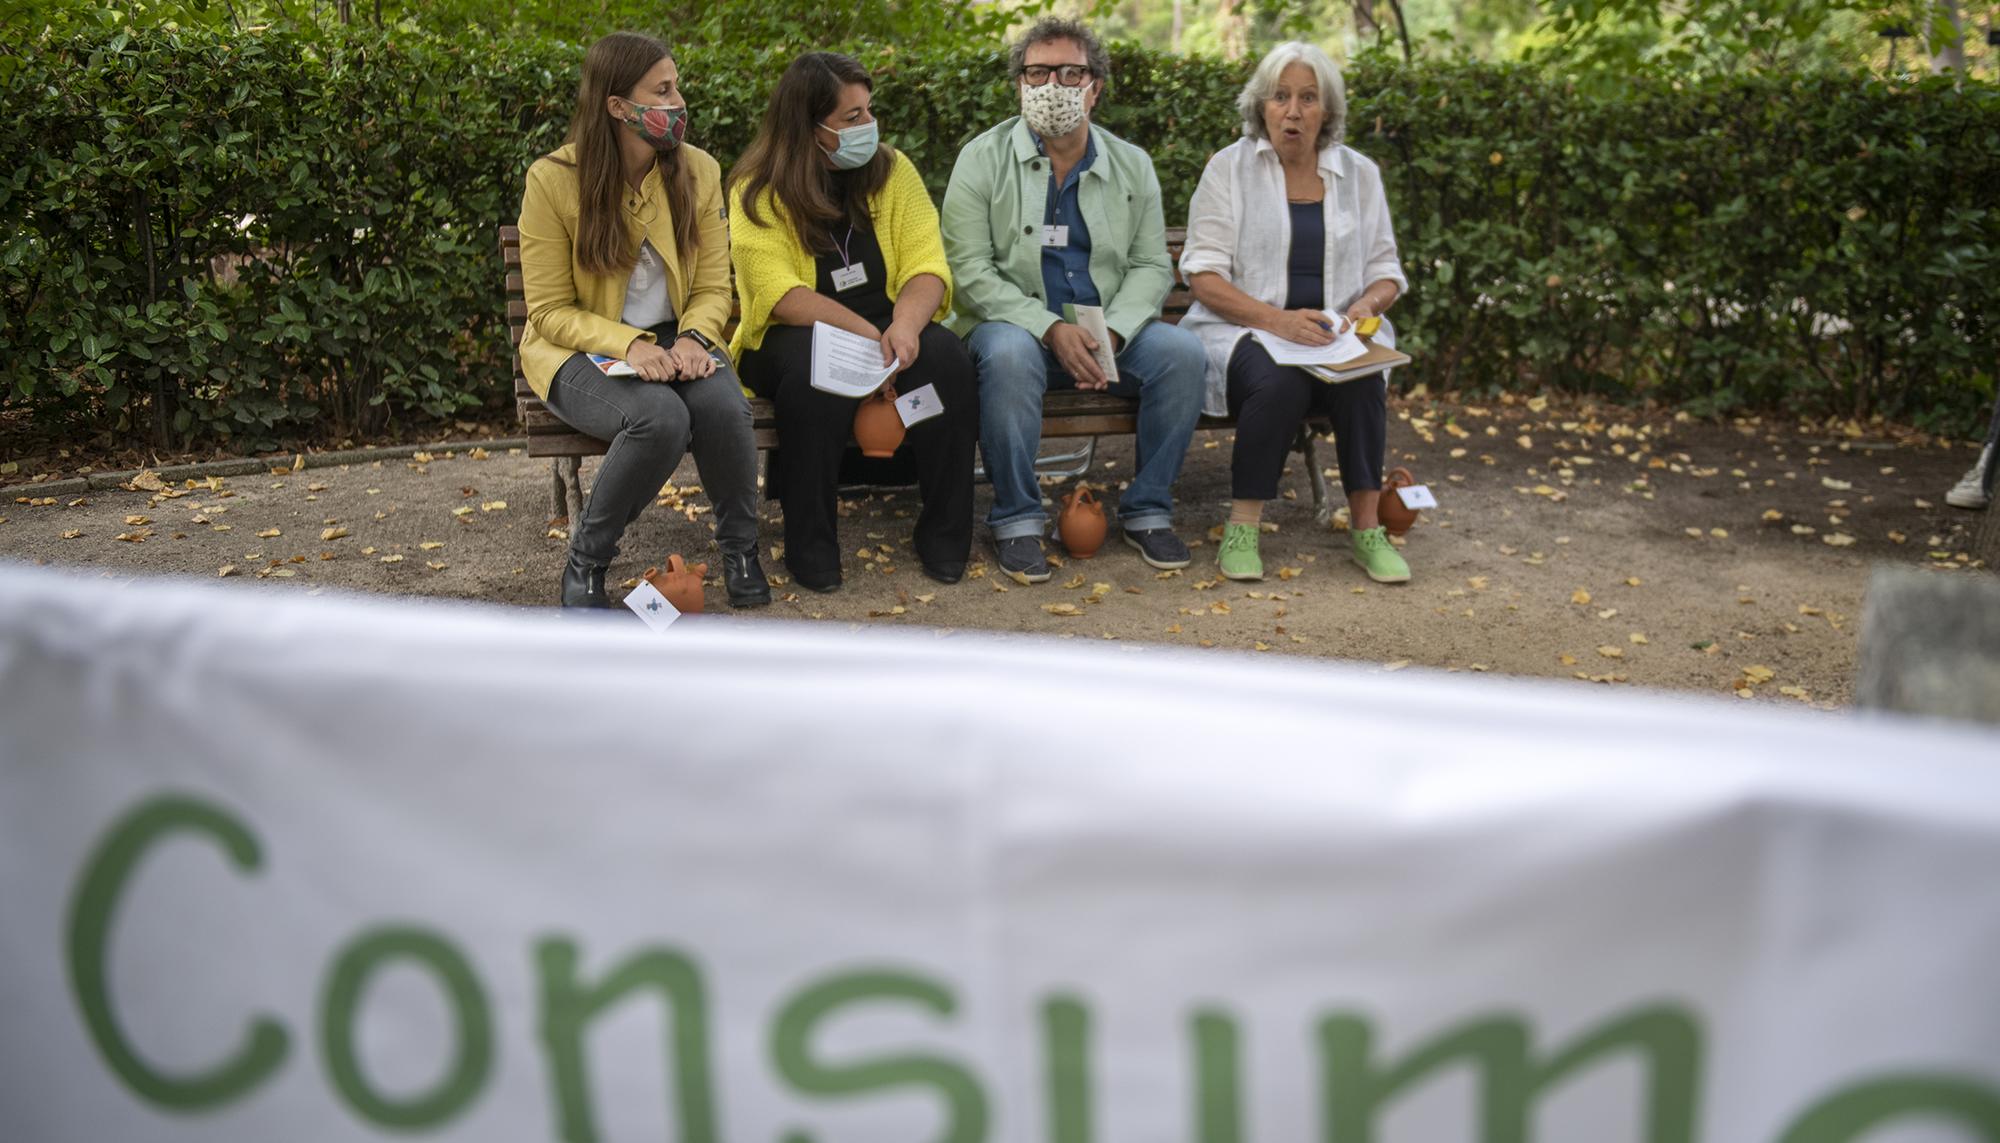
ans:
(1238, 227)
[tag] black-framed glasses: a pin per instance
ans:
(1069, 75)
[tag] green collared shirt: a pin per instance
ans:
(993, 215)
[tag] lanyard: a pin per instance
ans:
(845, 261)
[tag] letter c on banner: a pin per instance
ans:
(91, 912)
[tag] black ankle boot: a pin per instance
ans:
(583, 584)
(744, 579)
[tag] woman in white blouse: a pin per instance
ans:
(1289, 233)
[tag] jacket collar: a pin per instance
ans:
(1332, 157)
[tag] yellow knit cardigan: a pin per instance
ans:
(570, 309)
(770, 259)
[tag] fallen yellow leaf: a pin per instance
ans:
(1579, 597)
(1611, 652)
(269, 534)
(334, 534)
(1065, 609)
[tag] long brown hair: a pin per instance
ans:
(789, 161)
(613, 66)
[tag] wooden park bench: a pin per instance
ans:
(1065, 414)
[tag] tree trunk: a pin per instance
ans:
(1951, 56)
(1231, 27)
(1174, 41)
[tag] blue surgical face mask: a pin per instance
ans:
(857, 145)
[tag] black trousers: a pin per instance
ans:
(814, 428)
(1270, 401)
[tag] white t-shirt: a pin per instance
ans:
(646, 300)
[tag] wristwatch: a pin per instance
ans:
(697, 337)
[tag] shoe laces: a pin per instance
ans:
(1371, 538)
(1239, 537)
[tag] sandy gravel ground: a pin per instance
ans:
(1603, 545)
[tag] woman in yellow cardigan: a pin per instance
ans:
(827, 224)
(625, 254)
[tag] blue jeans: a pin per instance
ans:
(1163, 367)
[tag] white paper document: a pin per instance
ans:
(847, 363)
(919, 405)
(1091, 318)
(1417, 496)
(648, 604)
(1344, 348)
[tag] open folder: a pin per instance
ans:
(1377, 359)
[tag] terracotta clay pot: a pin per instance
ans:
(681, 584)
(1394, 514)
(1081, 525)
(877, 427)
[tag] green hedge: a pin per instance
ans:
(269, 236)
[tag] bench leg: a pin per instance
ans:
(566, 472)
(559, 506)
(1322, 503)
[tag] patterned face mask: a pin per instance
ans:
(663, 127)
(1052, 109)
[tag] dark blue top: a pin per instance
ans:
(852, 246)
(1305, 265)
(1066, 269)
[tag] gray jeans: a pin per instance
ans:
(650, 426)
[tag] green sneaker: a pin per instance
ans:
(1377, 557)
(1238, 557)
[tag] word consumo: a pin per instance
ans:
(1358, 1085)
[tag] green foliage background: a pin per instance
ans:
(209, 236)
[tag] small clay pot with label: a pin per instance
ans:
(878, 428)
(1395, 515)
(681, 584)
(1081, 525)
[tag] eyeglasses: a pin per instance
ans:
(1069, 75)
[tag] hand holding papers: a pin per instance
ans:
(1344, 347)
(847, 364)
(612, 366)
(1091, 320)
(1347, 358)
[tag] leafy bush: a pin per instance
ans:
(255, 237)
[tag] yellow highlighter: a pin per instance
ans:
(1366, 327)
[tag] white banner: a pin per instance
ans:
(291, 869)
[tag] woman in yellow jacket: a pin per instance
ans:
(827, 224)
(625, 255)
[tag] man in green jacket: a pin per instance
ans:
(1047, 211)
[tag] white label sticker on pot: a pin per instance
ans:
(648, 604)
(1417, 496)
(919, 405)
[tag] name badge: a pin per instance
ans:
(848, 277)
(1055, 236)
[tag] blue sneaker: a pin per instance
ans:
(1021, 559)
(1159, 547)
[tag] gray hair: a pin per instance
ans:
(1056, 28)
(1264, 83)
